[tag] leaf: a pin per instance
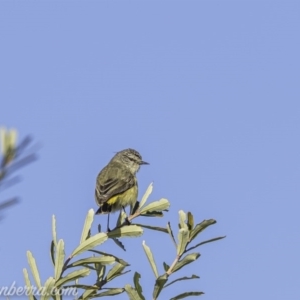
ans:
(59, 259)
(153, 228)
(119, 260)
(87, 225)
(166, 267)
(88, 294)
(130, 231)
(115, 271)
(28, 284)
(136, 281)
(207, 241)
(90, 243)
(171, 233)
(190, 222)
(48, 288)
(184, 295)
(104, 260)
(183, 239)
(121, 218)
(82, 286)
(119, 243)
(146, 195)
(132, 293)
(159, 284)
(52, 250)
(159, 205)
(34, 270)
(110, 292)
(182, 278)
(153, 214)
(100, 270)
(150, 259)
(73, 276)
(54, 230)
(200, 227)
(182, 219)
(185, 261)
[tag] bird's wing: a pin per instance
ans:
(112, 181)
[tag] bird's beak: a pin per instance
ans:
(144, 163)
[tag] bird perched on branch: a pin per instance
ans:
(116, 185)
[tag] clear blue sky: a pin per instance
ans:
(207, 92)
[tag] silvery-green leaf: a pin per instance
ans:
(159, 205)
(185, 261)
(130, 231)
(146, 195)
(171, 234)
(88, 294)
(184, 295)
(105, 260)
(152, 214)
(121, 218)
(87, 225)
(54, 230)
(159, 285)
(153, 228)
(90, 243)
(110, 292)
(150, 259)
(115, 271)
(119, 260)
(136, 281)
(132, 293)
(183, 239)
(190, 220)
(182, 219)
(200, 227)
(166, 267)
(28, 284)
(59, 259)
(207, 241)
(182, 278)
(48, 286)
(34, 270)
(73, 276)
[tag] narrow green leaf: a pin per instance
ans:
(182, 219)
(159, 205)
(130, 231)
(59, 259)
(28, 284)
(182, 278)
(159, 284)
(166, 267)
(82, 286)
(92, 242)
(200, 227)
(52, 252)
(88, 294)
(153, 214)
(34, 270)
(146, 195)
(100, 270)
(104, 260)
(153, 227)
(183, 239)
(185, 261)
(171, 233)
(150, 259)
(190, 221)
(136, 281)
(54, 230)
(87, 225)
(110, 292)
(115, 271)
(121, 218)
(48, 286)
(132, 293)
(207, 241)
(73, 276)
(119, 260)
(188, 294)
(119, 243)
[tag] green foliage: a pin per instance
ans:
(106, 266)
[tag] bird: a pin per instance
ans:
(116, 183)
